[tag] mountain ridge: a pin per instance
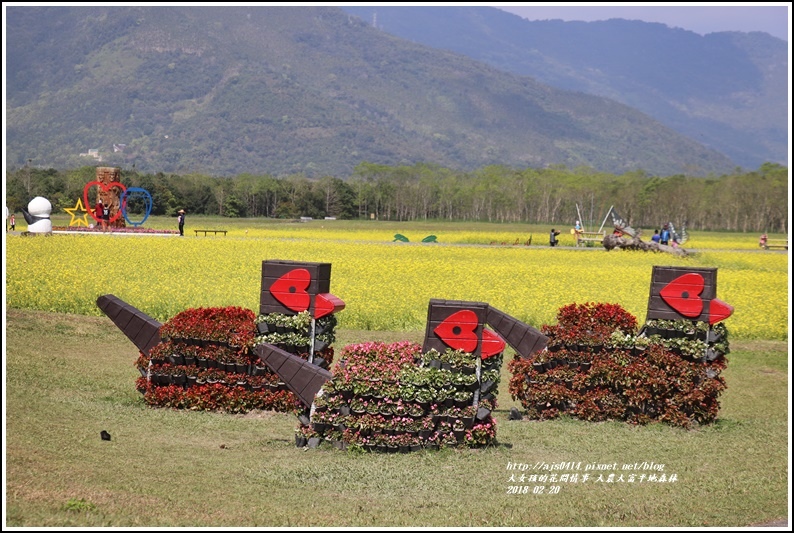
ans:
(728, 90)
(285, 90)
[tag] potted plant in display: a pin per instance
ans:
(463, 398)
(255, 383)
(178, 376)
(240, 365)
(694, 349)
(458, 429)
(358, 406)
(470, 382)
(539, 363)
(303, 434)
(459, 380)
(425, 427)
(176, 357)
(373, 407)
(192, 373)
(447, 440)
(189, 354)
(401, 409)
(407, 392)
(640, 345)
(423, 397)
(362, 388)
(403, 442)
(391, 445)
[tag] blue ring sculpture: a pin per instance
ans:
(147, 201)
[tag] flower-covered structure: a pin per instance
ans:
(393, 397)
(593, 364)
(406, 397)
(204, 362)
(203, 358)
(599, 367)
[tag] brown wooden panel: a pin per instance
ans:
(533, 342)
(271, 356)
(708, 292)
(658, 308)
(439, 310)
(275, 268)
(124, 317)
(110, 305)
(320, 282)
(147, 338)
(134, 326)
(494, 318)
(140, 328)
(664, 276)
(314, 386)
(302, 377)
(522, 337)
(268, 304)
(290, 367)
(517, 332)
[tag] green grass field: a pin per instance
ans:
(69, 376)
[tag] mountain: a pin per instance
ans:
(279, 90)
(727, 90)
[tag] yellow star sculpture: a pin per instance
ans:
(76, 221)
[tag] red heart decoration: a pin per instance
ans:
(683, 294)
(459, 331)
(719, 310)
(104, 188)
(290, 289)
(492, 343)
(325, 304)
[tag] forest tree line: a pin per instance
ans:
(754, 201)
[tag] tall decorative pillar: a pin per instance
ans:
(111, 195)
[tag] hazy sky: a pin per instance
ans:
(773, 18)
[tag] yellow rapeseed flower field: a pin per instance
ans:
(385, 285)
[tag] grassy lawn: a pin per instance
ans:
(69, 376)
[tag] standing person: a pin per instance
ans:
(664, 238)
(761, 241)
(99, 213)
(553, 237)
(577, 232)
(181, 221)
(105, 217)
(12, 221)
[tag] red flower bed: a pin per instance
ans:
(591, 373)
(217, 396)
(589, 323)
(231, 325)
(205, 362)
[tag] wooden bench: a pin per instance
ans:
(213, 231)
(776, 243)
(591, 236)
